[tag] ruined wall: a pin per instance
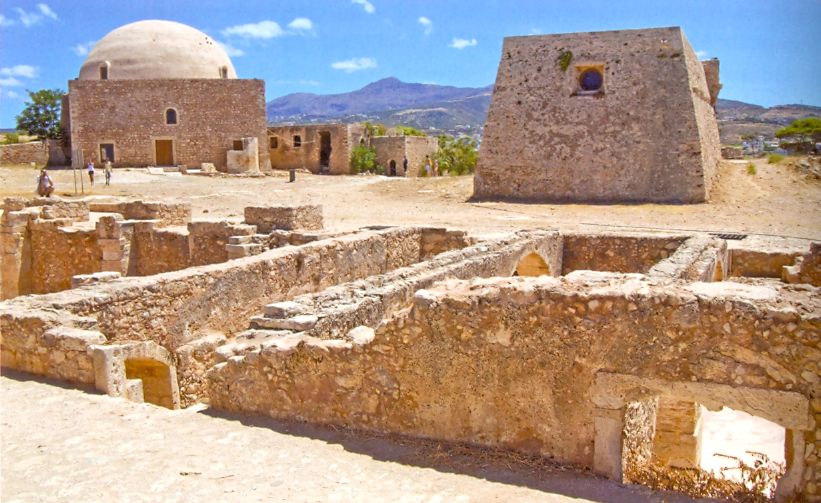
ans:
(158, 250)
(211, 115)
(287, 156)
(396, 147)
(711, 74)
(61, 252)
(269, 218)
(165, 214)
(547, 140)
(24, 153)
(511, 362)
(616, 253)
(207, 240)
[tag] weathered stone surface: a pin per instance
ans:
(548, 139)
(268, 218)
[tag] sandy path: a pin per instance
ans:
(776, 200)
(68, 445)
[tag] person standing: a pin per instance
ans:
(428, 167)
(90, 169)
(436, 167)
(107, 172)
(405, 166)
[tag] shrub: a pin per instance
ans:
(363, 159)
(774, 158)
(11, 138)
(457, 156)
(751, 168)
(409, 131)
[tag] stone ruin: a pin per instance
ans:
(592, 349)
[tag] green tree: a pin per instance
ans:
(801, 135)
(375, 129)
(409, 131)
(41, 115)
(363, 159)
(457, 156)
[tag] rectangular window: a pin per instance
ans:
(297, 141)
(274, 142)
(237, 144)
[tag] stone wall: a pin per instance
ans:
(617, 253)
(287, 156)
(24, 153)
(513, 362)
(269, 218)
(211, 115)
(164, 214)
(711, 74)
(547, 140)
(395, 148)
(59, 252)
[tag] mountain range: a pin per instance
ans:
(462, 110)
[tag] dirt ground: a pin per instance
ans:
(62, 444)
(69, 445)
(775, 201)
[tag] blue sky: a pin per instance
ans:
(769, 50)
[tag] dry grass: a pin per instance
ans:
(757, 483)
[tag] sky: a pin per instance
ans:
(770, 50)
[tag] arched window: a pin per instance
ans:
(104, 67)
(170, 116)
(223, 72)
(297, 141)
(591, 80)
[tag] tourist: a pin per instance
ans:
(107, 172)
(436, 167)
(90, 168)
(428, 167)
(45, 185)
(405, 166)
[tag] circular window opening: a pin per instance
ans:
(591, 80)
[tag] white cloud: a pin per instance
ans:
(46, 10)
(12, 95)
(427, 23)
(26, 71)
(461, 43)
(262, 30)
(354, 64)
(34, 17)
(701, 54)
(230, 50)
(369, 8)
(83, 49)
(4, 21)
(535, 31)
(9, 82)
(301, 23)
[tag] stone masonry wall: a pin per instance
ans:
(60, 253)
(511, 362)
(24, 153)
(287, 156)
(617, 253)
(546, 141)
(396, 147)
(211, 115)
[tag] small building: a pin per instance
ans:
(615, 116)
(160, 93)
(320, 148)
(326, 148)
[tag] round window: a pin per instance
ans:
(591, 80)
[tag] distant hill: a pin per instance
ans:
(736, 118)
(462, 110)
(426, 106)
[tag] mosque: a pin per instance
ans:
(160, 93)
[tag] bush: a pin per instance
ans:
(11, 138)
(774, 158)
(363, 160)
(409, 131)
(751, 168)
(457, 156)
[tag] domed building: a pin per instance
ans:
(160, 93)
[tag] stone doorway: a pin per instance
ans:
(107, 152)
(164, 152)
(156, 380)
(532, 265)
(324, 150)
(392, 168)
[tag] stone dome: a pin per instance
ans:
(156, 50)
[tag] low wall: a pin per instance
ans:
(512, 362)
(24, 153)
(616, 253)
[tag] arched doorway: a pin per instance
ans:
(532, 264)
(392, 168)
(156, 378)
